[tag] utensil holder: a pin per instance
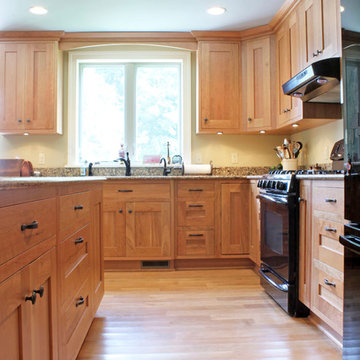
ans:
(290, 164)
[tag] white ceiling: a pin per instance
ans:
(136, 15)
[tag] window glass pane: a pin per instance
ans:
(101, 111)
(158, 110)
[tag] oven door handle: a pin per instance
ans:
(282, 287)
(278, 200)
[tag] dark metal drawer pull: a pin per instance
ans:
(120, 211)
(31, 298)
(329, 283)
(196, 206)
(80, 240)
(130, 211)
(33, 225)
(196, 190)
(125, 191)
(196, 234)
(330, 229)
(330, 200)
(78, 207)
(40, 291)
(80, 302)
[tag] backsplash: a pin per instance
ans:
(149, 171)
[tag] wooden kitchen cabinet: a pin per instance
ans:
(255, 223)
(219, 66)
(258, 84)
(320, 30)
(137, 220)
(195, 221)
(305, 236)
(235, 219)
(29, 88)
(289, 109)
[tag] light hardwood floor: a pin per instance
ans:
(197, 315)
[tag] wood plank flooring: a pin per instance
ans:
(197, 315)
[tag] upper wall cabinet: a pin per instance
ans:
(287, 61)
(219, 66)
(29, 87)
(257, 89)
(320, 30)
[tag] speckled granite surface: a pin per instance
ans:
(151, 171)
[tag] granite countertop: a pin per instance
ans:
(17, 182)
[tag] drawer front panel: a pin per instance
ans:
(74, 213)
(196, 243)
(328, 199)
(195, 190)
(327, 296)
(196, 213)
(126, 191)
(72, 282)
(73, 250)
(23, 226)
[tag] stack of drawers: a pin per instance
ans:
(75, 271)
(195, 219)
(327, 252)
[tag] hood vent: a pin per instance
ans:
(319, 82)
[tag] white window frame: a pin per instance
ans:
(77, 57)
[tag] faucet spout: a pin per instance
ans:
(166, 170)
(127, 164)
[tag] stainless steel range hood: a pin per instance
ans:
(319, 82)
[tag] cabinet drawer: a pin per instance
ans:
(195, 243)
(329, 197)
(126, 191)
(74, 213)
(76, 320)
(14, 237)
(326, 245)
(327, 299)
(73, 250)
(195, 213)
(72, 281)
(195, 190)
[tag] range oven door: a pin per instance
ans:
(275, 233)
(352, 196)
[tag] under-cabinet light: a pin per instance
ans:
(295, 125)
(38, 10)
(219, 132)
(216, 10)
(26, 134)
(262, 132)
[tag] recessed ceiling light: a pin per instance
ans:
(38, 10)
(216, 10)
(342, 9)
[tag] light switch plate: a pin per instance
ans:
(42, 159)
(198, 158)
(234, 158)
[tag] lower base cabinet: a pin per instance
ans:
(28, 312)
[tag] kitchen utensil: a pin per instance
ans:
(297, 146)
(280, 151)
(278, 154)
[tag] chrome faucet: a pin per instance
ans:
(166, 171)
(127, 164)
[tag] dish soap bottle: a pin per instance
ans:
(122, 151)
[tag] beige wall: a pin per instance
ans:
(251, 150)
(318, 143)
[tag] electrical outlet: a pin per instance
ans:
(234, 158)
(42, 159)
(198, 158)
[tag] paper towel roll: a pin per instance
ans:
(197, 169)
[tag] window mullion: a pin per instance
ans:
(130, 108)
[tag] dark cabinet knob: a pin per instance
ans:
(33, 225)
(120, 211)
(31, 298)
(130, 211)
(206, 120)
(27, 120)
(19, 121)
(80, 240)
(78, 207)
(40, 291)
(81, 301)
(249, 119)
